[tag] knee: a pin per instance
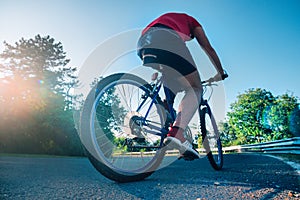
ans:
(197, 90)
(194, 92)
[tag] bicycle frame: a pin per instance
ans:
(153, 94)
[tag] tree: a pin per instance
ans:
(246, 114)
(295, 122)
(110, 112)
(258, 116)
(36, 107)
(277, 116)
(227, 135)
(40, 64)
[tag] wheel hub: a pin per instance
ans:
(134, 122)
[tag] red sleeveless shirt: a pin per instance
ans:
(182, 23)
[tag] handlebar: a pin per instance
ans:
(216, 78)
(211, 82)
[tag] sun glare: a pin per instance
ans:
(19, 97)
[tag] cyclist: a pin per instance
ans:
(162, 47)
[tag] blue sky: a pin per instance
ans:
(257, 40)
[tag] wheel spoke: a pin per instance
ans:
(112, 125)
(211, 140)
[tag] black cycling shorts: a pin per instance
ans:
(162, 46)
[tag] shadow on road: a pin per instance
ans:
(243, 175)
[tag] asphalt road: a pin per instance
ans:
(245, 176)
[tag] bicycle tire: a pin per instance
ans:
(106, 162)
(210, 138)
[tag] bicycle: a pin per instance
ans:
(124, 123)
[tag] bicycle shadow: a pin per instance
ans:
(244, 176)
(168, 181)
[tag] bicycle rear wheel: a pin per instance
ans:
(211, 139)
(121, 143)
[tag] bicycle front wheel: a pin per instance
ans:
(210, 138)
(122, 124)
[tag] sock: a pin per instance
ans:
(177, 132)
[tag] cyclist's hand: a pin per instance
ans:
(225, 75)
(217, 77)
(220, 77)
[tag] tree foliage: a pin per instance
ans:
(227, 135)
(295, 122)
(277, 117)
(258, 116)
(110, 114)
(35, 98)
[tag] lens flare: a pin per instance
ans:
(266, 120)
(295, 122)
(41, 82)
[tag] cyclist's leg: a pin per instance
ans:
(182, 75)
(192, 87)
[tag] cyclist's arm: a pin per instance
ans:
(209, 50)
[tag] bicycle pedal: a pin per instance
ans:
(139, 139)
(188, 156)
